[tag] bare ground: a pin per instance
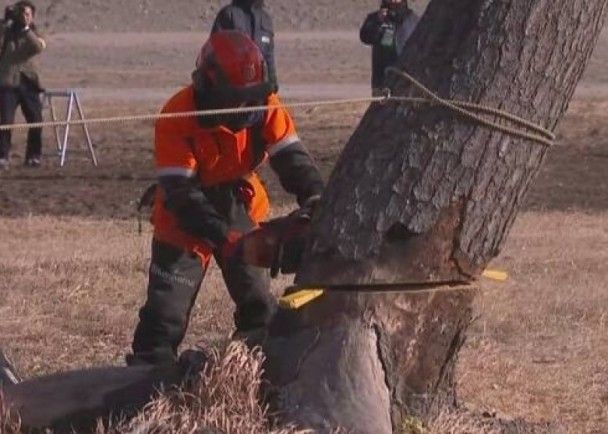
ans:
(176, 15)
(73, 265)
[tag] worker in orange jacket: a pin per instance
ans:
(210, 195)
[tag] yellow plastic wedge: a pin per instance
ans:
(498, 275)
(300, 298)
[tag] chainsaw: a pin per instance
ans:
(278, 244)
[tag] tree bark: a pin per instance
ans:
(423, 197)
(364, 360)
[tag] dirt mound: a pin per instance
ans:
(183, 15)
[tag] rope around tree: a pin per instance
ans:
(522, 128)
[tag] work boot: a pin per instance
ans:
(192, 362)
(8, 375)
(32, 162)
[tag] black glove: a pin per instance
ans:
(291, 248)
(293, 239)
(288, 256)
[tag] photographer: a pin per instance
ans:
(19, 83)
(387, 30)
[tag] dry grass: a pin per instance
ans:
(9, 420)
(449, 422)
(71, 288)
(540, 348)
(224, 398)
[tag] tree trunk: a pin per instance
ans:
(423, 197)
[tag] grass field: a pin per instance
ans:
(74, 274)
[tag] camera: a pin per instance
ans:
(12, 14)
(391, 16)
(394, 11)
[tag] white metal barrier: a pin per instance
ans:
(62, 137)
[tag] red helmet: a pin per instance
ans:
(231, 70)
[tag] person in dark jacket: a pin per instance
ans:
(387, 30)
(251, 18)
(20, 42)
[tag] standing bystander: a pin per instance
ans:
(387, 30)
(19, 82)
(251, 18)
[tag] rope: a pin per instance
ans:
(196, 113)
(543, 135)
(526, 129)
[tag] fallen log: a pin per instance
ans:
(74, 401)
(77, 400)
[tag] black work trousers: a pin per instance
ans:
(27, 97)
(175, 278)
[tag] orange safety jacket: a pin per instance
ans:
(213, 156)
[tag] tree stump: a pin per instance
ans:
(368, 357)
